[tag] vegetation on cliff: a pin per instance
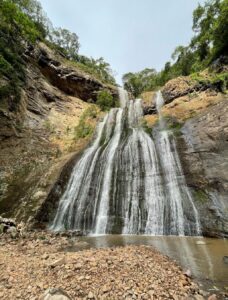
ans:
(105, 100)
(23, 23)
(15, 28)
(207, 48)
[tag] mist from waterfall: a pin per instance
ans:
(127, 181)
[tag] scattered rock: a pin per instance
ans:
(57, 262)
(199, 297)
(130, 272)
(90, 295)
(78, 266)
(45, 256)
(105, 289)
(55, 294)
(212, 297)
(13, 232)
(203, 293)
(39, 195)
(188, 273)
(7, 222)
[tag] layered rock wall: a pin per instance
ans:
(38, 137)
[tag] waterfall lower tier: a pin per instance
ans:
(126, 182)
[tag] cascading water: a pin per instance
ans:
(180, 198)
(126, 182)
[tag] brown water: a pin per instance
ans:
(204, 260)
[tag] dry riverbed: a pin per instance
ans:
(32, 264)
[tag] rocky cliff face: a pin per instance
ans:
(66, 76)
(199, 118)
(198, 115)
(38, 137)
(204, 155)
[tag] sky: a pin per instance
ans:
(130, 34)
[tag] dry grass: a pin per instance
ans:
(151, 120)
(62, 125)
(186, 107)
(147, 98)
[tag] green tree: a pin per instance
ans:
(16, 29)
(220, 34)
(205, 19)
(66, 40)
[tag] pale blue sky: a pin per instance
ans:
(130, 34)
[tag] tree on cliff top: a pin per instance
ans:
(210, 41)
(66, 40)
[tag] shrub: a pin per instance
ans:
(105, 100)
(84, 128)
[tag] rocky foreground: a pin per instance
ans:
(38, 266)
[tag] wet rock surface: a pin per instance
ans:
(34, 268)
(202, 144)
(203, 150)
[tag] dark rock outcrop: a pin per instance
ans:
(48, 208)
(184, 85)
(149, 110)
(68, 79)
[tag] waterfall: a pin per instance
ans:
(179, 195)
(128, 182)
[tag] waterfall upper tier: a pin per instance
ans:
(128, 182)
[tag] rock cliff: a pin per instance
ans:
(198, 114)
(204, 155)
(38, 137)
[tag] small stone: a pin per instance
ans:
(203, 293)
(188, 273)
(81, 278)
(45, 256)
(55, 294)
(78, 266)
(198, 297)
(57, 262)
(105, 289)
(212, 297)
(38, 195)
(90, 295)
